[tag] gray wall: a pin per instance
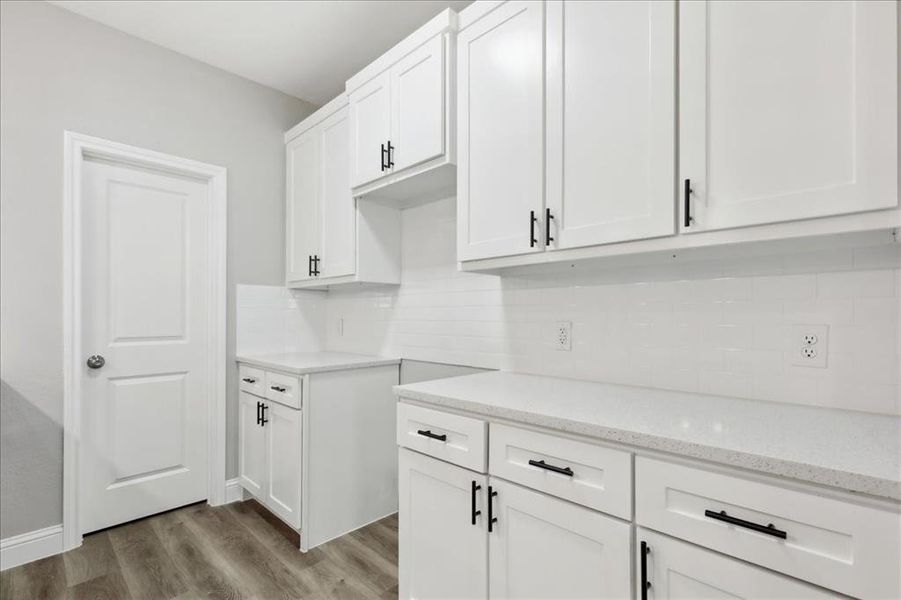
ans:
(60, 71)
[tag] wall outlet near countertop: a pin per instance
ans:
(810, 345)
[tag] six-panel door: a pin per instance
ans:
(544, 547)
(788, 110)
(418, 105)
(251, 445)
(611, 127)
(370, 129)
(443, 545)
(302, 211)
(500, 133)
(283, 451)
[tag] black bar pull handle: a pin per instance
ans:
(263, 409)
(435, 436)
(543, 465)
(645, 584)
(686, 213)
(547, 227)
(532, 220)
(277, 388)
(316, 265)
(491, 518)
(384, 166)
(249, 380)
(391, 150)
(309, 266)
(475, 513)
(259, 412)
(769, 529)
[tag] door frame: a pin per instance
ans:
(76, 148)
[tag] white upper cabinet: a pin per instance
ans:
(611, 69)
(328, 241)
(788, 110)
(401, 118)
(500, 103)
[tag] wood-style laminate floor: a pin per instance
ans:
(230, 551)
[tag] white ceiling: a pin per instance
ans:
(307, 49)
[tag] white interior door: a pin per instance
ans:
(417, 105)
(283, 455)
(251, 444)
(442, 553)
(676, 569)
(611, 124)
(500, 133)
(544, 547)
(304, 183)
(146, 305)
(338, 255)
(788, 110)
(370, 128)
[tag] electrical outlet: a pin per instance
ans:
(563, 335)
(809, 345)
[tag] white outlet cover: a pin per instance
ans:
(806, 354)
(563, 335)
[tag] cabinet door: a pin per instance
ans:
(788, 110)
(418, 105)
(338, 253)
(302, 211)
(370, 127)
(442, 553)
(251, 445)
(500, 132)
(283, 449)
(544, 547)
(675, 569)
(611, 94)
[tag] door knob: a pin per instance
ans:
(95, 361)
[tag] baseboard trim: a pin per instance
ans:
(233, 491)
(33, 545)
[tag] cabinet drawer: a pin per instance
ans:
(842, 546)
(456, 439)
(590, 475)
(284, 389)
(252, 380)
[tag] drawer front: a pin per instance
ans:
(590, 475)
(456, 439)
(841, 546)
(284, 389)
(252, 380)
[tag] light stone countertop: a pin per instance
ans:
(301, 363)
(854, 451)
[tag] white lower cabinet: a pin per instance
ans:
(442, 529)
(669, 568)
(544, 547)
(252, 446)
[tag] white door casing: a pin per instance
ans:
(144, 281)
(788, 110)
(611, 83)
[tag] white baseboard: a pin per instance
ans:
(20, 549)
(233, 491)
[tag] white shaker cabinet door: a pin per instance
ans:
(788, 110)
(669, 569)
(610, 122)
(418, 105)
(251, 445)
(544, 547)
(304, 170)
(283, 452)
(500, 132)
(338, 256)
(443, 544)
(370, 129)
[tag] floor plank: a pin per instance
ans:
(228, 552)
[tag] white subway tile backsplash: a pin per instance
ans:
(720, 326)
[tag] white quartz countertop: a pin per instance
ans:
(853, 451)
(315, 362)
